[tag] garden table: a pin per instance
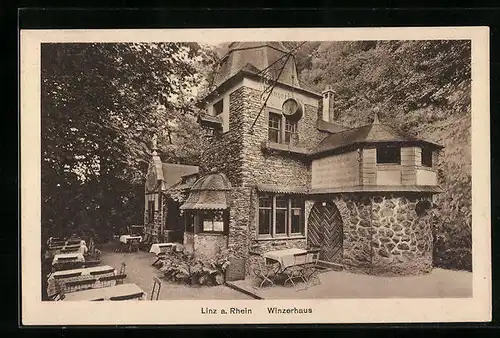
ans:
(284, 257)
(157, 247)
(126, 238)
(57, 280)
(75, 257)
(106, 293)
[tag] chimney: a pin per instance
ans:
(328, 113)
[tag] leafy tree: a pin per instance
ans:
(101, 104)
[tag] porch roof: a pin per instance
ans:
(209, 192)
(281, 189)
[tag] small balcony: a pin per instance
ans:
(288, 149)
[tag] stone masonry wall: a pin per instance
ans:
(206, 246)
(260, 167)
(223, 150)
(264, 168)
(384, 235)
(402, 240)
(238, 239)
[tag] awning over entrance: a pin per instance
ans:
(281, 189)
(210, 192)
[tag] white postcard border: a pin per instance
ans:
(36, 312)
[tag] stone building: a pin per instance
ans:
(279, 171)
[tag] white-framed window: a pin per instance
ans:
(207, 221)
(280, 215)
(281, 129)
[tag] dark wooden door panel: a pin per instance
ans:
(325, 231)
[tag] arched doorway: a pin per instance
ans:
(325, 230)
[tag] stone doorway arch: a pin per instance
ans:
(325, 230)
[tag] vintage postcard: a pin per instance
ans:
(228, 176)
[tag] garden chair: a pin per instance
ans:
(311, 269)
(264, 271)
(128, 297)
(59, 296)
(133, 245)
(122, 268)
(297, 270)
(156, 288)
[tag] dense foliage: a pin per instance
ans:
(422, 87)
(101, 104)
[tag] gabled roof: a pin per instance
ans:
(173, 173)
(372, 133)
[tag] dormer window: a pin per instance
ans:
(426, 157)
(388, 155)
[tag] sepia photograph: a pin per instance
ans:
(307, 169)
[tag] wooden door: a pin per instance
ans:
(324, 230)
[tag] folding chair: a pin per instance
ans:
(266, 272)
(311, 272)
(122, 268)
(133, 245)
(296, 271)
(59, 296)
(156, 288)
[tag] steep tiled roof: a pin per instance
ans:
(172, 173)
(373, 133)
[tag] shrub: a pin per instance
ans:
(185, 268)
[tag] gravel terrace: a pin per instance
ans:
(140, 271)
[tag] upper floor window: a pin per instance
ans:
(290, 130)
(280, 216)
(274, 128)
(281, 130)
(389, 155)
(219, 107)
(426, 157)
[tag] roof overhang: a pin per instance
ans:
(206, 200)
(281, 189)
(378, 188)
(240, 75)
(356, 145)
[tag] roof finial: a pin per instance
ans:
(375, 119)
